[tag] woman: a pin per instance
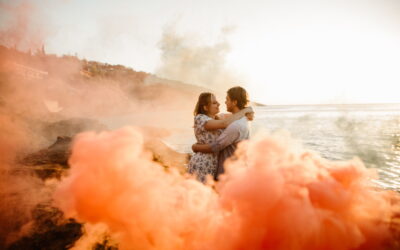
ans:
(207, 127)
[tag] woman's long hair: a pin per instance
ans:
(204, 100)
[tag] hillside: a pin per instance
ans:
(65, 80)
(45, 101)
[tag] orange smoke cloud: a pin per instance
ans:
(19, 191)
(286, 198)
(134, 196)
(12, 138)
(272, 197)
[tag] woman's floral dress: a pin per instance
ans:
(203, 164)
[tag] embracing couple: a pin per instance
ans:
(218, 134)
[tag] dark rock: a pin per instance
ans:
(105, 245)
(52, 161)
(50, 231)
(57, 153)
(71, 127)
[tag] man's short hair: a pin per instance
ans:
(239, 95)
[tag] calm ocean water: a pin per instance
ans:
(337, 132)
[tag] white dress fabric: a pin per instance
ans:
(203, 164)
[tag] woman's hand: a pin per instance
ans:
(249, 109)
(249, 113)
(194, 147)
(204, 148)
(250, 116)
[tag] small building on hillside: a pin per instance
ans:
(28, 72)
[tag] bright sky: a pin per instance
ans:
(282, 51)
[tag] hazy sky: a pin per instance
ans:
(283, 51)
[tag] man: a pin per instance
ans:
(226, 143)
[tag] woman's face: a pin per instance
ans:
(213, 107)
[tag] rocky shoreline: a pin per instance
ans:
(48, 228)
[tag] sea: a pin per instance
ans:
(337, 132)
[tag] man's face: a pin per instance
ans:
(229, 104)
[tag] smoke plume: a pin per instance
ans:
(185, 59)
(19, 191)
(21, 26)
(273, 196)
(43, 96)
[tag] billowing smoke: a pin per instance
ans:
(44, 99)
(19, 191)
(115, 183)
(21, 26)
(275, 195)
(186, 59)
